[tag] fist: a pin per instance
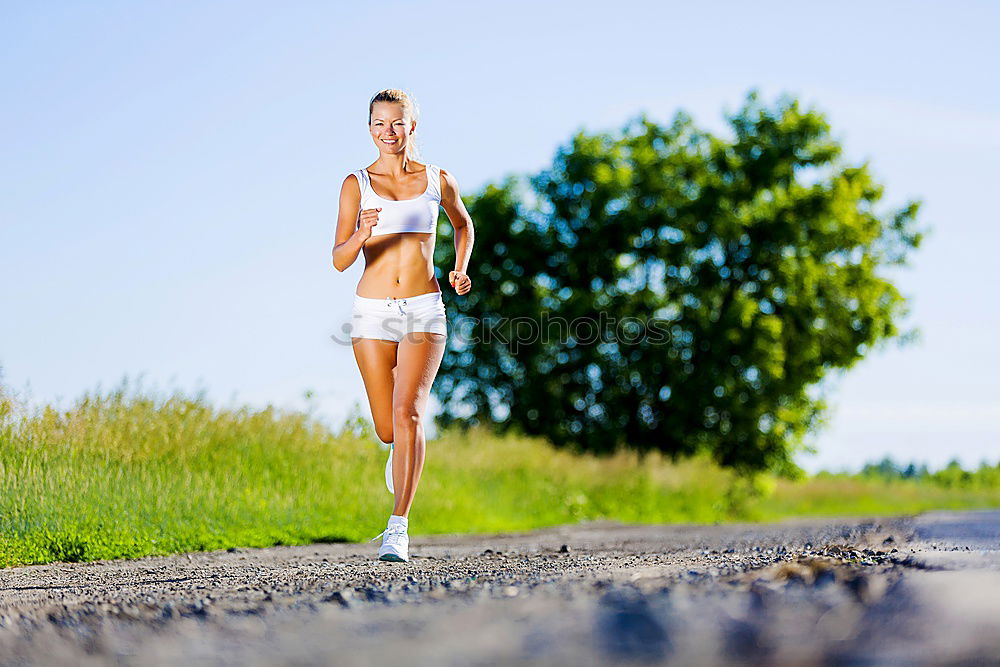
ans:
(367, 219)
(460, 281)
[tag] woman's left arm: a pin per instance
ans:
(465, 233)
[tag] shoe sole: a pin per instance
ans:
(392, 557)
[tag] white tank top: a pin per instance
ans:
(419, 214)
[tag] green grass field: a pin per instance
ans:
(125, 474)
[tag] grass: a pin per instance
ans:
(124, 475)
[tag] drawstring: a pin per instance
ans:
(399, 303)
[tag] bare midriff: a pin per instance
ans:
(398, 265)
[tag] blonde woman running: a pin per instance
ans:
(398, 323)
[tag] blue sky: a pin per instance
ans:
(171, 172)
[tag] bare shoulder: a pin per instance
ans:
(449, 184)
(351, 184)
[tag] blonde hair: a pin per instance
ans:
(409, 109)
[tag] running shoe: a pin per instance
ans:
(388, 470)
(395, 543)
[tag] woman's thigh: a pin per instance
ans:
(418, 359)
(376, 361)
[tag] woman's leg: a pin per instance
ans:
(377, 360)
(418, 358)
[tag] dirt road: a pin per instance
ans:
(877, 590)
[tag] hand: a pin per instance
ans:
(366, 220)
(460, 281)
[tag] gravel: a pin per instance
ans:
(906, 589)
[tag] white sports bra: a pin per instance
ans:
(419, 214)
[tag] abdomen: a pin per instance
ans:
(398, 265)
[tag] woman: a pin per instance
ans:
(399, 327)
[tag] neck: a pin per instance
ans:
(395, 165)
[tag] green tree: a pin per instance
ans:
(886, 468)
(751, 264)
(952, 475)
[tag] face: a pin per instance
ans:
(390, 127)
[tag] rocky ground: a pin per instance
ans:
(871, 590)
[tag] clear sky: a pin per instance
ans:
(171, 170)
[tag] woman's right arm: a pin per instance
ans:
(350, 235)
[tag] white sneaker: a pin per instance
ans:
(388, 470)
(395, 543)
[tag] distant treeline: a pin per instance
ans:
(952, 475)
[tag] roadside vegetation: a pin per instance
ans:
(127, 473)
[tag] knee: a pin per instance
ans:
(406, 414)
(384, 433)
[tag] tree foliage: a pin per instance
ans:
(749, 265)
(952, 475)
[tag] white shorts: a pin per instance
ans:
(392, 318)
